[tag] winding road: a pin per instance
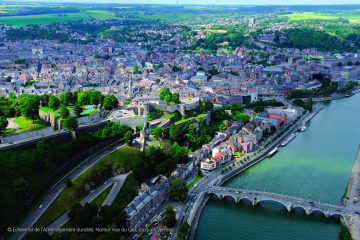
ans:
(50, 197)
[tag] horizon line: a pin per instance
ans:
(171, 4)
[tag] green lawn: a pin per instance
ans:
(46, 109)
(184, 120)
(201, 115)
(89, 112)
(101, 198)
(71, 195)
(26, 125)
(169, 116)
(60, 17)
(190, 119)
(194, 181)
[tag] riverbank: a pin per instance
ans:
(338, 96)
(193, 221)
(303, 120)
(352, 197)
(316, 165)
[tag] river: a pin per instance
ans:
(316, 165)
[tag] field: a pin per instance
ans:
(20, 21)
(352, 16)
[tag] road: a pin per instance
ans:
(118, 182)
(32, 218)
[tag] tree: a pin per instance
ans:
(165, 92)
(178, 190)
(65, 98)
(89, 97)
(168, 98)
(64, 112)
(3, 123)
(206, 106)
(44, 100)
(77, 110)
(175, 133)
(110, 102)
(83, 216)
(175, 98)
(180, 154)
(70, 123)
(29, 106)
(128, 137)
(169, 219)
(20, 188)
(54, 102)
(183, 231)
(121, 220)
(136, 69)
(156, 132)
(212, 71)
(200, 173)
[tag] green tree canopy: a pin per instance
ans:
(64, 112)
(110, 102)
(128, 137)
(29, 106)
(65, 98)
(176, 133)
(77, 110)
(3, 123)
(178, 190)
(89, 97)
(20, 188)
(70, 123)
(169, 219)
(156, 132)
(183, 231)
(54, 102)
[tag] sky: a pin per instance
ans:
(222, 2)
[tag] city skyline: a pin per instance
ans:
(208, 2)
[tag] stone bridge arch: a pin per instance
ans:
(279, 203)
(246, 199)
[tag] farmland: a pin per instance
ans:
(351, 16)
(58, 17)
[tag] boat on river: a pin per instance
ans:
(272, 152)
(289, 139)
(349, 94)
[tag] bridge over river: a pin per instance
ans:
(289, 202)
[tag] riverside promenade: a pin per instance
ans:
(351, 198)
(216, 178)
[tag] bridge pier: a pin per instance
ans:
(254, 201)
(327, 214)
(289, 207)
